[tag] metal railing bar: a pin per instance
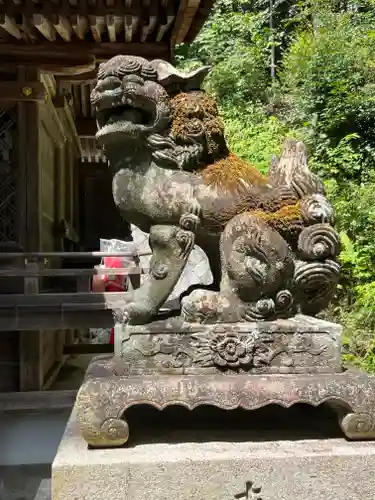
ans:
(24, 273)
(69, 255)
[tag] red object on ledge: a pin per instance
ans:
(114, 283)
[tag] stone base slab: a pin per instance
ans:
(311, 469)
(301, 344)
(44, 491)
(105, 397)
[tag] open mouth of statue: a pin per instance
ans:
(124, 118)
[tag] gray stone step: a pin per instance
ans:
(44, 490)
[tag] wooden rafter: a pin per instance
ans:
(9, 26)
(63, 27)
(200, 17)
(98, 21)
(184, 20)
(75, 58)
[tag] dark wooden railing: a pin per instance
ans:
(37, 309)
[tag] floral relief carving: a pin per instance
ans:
(224, 350)
(228, 351)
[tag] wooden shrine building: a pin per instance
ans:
(51, 172)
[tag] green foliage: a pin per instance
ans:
(324, 94)
(253, 137)
(240, 78)
(328, 82)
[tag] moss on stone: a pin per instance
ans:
(287, 220)
(195, 115)
(230, 174)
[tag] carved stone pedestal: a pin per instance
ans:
(233, 465)
(247, 365)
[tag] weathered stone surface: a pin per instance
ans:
(224, 469)
(270, 241)
(106, 394)
(296, 345)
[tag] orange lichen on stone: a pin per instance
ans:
(230, 174)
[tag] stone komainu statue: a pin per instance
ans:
(272, 251)
(269, 240)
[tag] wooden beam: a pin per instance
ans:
(189, 16)
(49, 83)
(31, 354)
(28, 132)
(31, 347)
(85, 101)
(41, 319)
(200, 18)
(22, 92)
(179, 21)
(63, 301)
(54, 371)
(89, 77)
(73, 70)
(61, 69)
(63, 54)
(56, 317)
(52, 123)
(184, 20)
(59, 65)
(70, 8)
(76, 273)
(37, 401)
(61, 104)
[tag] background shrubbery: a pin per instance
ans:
(323, 92)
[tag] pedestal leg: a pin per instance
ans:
(99, 416)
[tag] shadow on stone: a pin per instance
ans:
(177, 424)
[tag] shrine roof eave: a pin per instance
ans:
(65, 33)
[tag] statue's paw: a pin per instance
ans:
(200, 306)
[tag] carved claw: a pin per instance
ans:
(190, 220)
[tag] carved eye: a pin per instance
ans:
(133, 79)
(109, 83)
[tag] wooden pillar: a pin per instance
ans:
(31, 347)
(31, 373)
(28, 161)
